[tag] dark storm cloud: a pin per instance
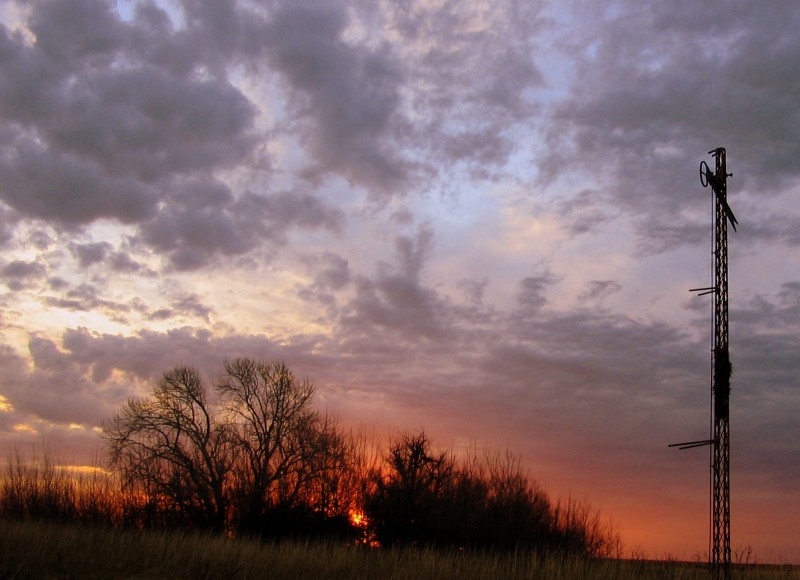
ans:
(656, 87)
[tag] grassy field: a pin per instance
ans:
(38, 550)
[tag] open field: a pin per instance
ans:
(38, 550)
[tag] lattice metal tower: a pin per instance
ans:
(720, 548)
(721, 503)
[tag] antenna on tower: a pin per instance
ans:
(720, 548)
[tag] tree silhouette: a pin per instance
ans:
(253, 457)
(422, 497)
(289, 457)
(173, 446)
(405, 504)
(250, 462)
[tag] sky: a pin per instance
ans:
(476, 218)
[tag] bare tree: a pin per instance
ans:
(283, 446)
(405, 503)
(329, 485)
(583, 530)
(173, 445)
(518, 511)
(259, 452)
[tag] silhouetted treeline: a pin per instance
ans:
(250, 456)
(35, 487)
(486, 502)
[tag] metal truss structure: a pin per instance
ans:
(720, 540)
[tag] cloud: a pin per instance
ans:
(473, 290)
(583, 212)
(331, 274)
(109, 103)
(654, 89)
(88, 92)
(566, 379)
(7, 224)
(107, 120)
(392, 97)
(396, 302)
(205, 220)
(188, 305)
(103, 253)
(147, 354)
(549, 366)
(135, 120)
(350, 92)
(68, 190)
(90, 253)
(70, 31)
(55, 389)
(123, 262)
(530, 297)
(192, 305)
(19, 274)
(599, 289)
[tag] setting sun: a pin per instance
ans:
(358, 519)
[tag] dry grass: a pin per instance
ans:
(46, 550)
